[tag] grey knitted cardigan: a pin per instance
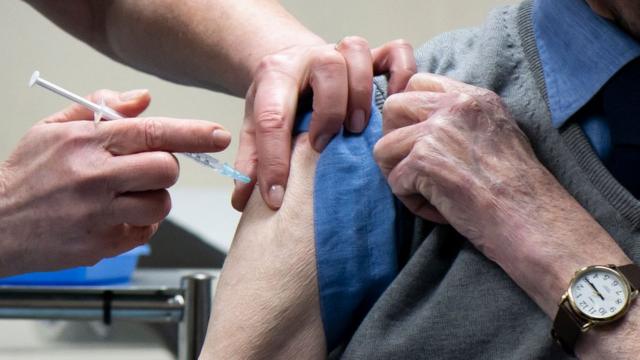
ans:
(449, 301)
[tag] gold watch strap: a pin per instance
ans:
(566, 328)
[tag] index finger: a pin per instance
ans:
(397, 59)
(130, 136)
(274, 108)
(360, 75)
(394, 147)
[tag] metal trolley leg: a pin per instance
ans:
(197, 308)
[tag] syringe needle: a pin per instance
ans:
(105, 112)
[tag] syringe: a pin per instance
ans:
(105, 112)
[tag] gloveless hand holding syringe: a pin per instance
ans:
(101, 111)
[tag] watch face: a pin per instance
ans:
(599, 293)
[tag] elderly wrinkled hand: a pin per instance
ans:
(452, 153)
(73, 193)
(340, 77)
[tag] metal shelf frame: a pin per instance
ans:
(148, 298)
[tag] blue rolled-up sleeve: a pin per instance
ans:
(354, 224)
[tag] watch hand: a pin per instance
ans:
(594, 289)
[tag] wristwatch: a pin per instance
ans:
(597, 295)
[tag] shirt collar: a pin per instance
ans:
(579, 52)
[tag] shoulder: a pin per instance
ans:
(458, 53)
(485, 56)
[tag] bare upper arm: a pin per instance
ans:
(84, 19)
(267, 302)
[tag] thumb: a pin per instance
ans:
(129, 104)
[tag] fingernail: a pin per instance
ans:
(357, 121)
(132, 94)
(321, 142)
(276, 194)
(221, 137)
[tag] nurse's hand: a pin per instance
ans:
(73, 192)
(340, 77)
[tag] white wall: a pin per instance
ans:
(29, 42)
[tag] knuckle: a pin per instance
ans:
(40, 131)
(354, 43)
(328, 59)
(330, 118)
(415, 80)
(401, 43)
(403, 73)
(100, 94)
(393, 106)
(272, 62)
(246, 163)
(424, 157)
(467, 101)
(378, 150)
(361, 92)
(418, 82)
(89, 181)
(153, 133)
(270, 121)
(87, 175)
(435, 125)
(108, 136)
(275, 168)
(76, 135)
(419, 152)
(464, 179)
(423, 145)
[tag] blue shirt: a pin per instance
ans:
(354, 228)
(579, 52)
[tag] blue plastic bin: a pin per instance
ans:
(108, 271)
